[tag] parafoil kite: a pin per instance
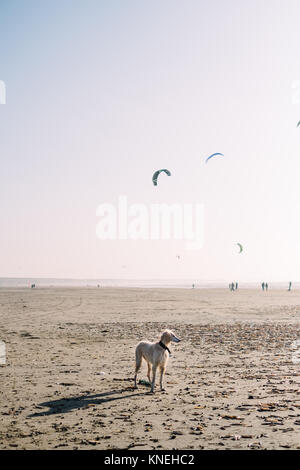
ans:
(241, 247)
(157, 173)
(214, 155)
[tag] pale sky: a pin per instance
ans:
(100, 94)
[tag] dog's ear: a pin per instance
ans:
(166, 336)
(162, 336)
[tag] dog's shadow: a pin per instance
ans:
(66, 405)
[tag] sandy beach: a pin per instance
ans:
(231, 383)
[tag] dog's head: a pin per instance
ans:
(168, 336)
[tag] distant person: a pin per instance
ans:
(263, 286)
(290, 285)
(193, 286)
(236, 286)
(232, 286)
(267, 286)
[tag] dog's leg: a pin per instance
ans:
(153, 377)
(162, 373)
(149, 372)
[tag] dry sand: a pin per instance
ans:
(68, 382)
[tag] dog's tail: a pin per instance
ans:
(138, 358)
(138, 362)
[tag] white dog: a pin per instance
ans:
(156, 355)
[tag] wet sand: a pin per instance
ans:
(231, 383)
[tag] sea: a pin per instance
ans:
(15, 282)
